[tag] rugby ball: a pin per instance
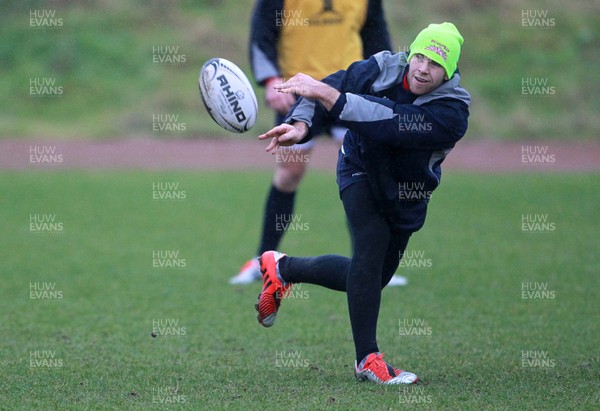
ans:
(228, 95)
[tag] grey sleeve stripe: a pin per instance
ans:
(360, 109)
(263, 68)
(304, 112)
(435, 157)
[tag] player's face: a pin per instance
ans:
(424, 75)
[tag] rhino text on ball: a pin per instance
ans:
(231, 98)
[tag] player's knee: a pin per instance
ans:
(288, 178)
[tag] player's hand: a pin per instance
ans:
(284, 135)
(281, 103)
(306, 86)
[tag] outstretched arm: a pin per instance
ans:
(308, 87)
(317, 98)
(305, 86)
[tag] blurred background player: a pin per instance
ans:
(315, 37)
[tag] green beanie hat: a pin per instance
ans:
(441, 43)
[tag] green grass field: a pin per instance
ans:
(79, 298)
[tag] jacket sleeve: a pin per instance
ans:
(358, 78)
(264, 35)
(435, 125)
(374, 33)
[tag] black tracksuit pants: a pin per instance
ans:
(376, 253)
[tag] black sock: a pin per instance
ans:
(327, 270)
(278, 212)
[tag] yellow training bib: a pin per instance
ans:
(319, 37)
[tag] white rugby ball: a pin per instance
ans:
(228, 95)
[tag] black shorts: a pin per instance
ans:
(348, 173)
